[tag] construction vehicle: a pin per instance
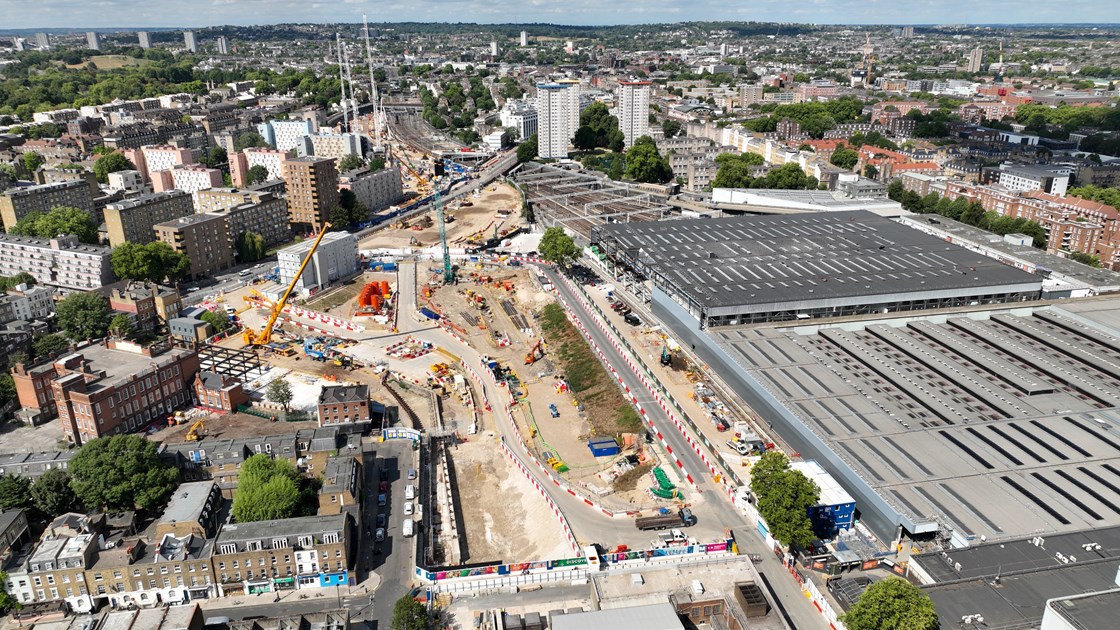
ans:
(197, 430)
(664, 521)
(263, 337)
(666, 356)
(535, 353)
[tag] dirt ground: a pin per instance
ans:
(505, 517)
(231, 427)
(482, 215)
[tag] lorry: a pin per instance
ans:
(683, 517)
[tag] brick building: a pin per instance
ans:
(258, 212)
(24, 199)
(270, 159)
(204, 238)
(312, 186)
(219, 393)
(106, 388)
(374, 190)
(342, 486)
(132, 220)
(344, 404)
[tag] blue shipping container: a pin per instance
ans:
(430, 314)
(603, 447)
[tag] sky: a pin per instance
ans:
(90, 14)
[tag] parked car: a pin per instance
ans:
(738, 447)
(411, 473)
(379, 535)
(632, 319)
(381, 500)
(408, 508)
(381, 520)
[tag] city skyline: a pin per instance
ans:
(129, 14)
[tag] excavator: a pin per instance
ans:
(536, 353)
(263, 337)
(197, 430)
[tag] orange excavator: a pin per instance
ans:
(536, 353)
(263, 337)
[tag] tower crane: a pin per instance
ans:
(263, 337)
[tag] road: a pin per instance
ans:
(716, 505)
(228, 281)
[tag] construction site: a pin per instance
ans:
(579, 200)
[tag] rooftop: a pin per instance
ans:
(143, 200)
(334, 394)
(1091, 610)
(753, 263)
(188, 502)
(190, 219)
(121, 365)
(301, 526)
(649, 617)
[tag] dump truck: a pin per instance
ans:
(683, 517)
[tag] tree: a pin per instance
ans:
(376, 164)
(1085, 259)
(122, 472)
(11, 282)
(152, 262)
(870, 171)
(339, 218)
(216, 157)
(409, 614)
(527, 150)
(248, 140)
(219, 321)
(784, 497)
(644, 163)
(844, 157)
(32, 161)
(7, 383)
(7, 602)
(585, 138)
(350, 162)
(52, 494)
(267, 489)
(557, 247)
(250, 246)
(48, 344)
(670, 128)
(59, 220)
(15, 492)
(111, 163)
(736, 170)
(120, 326)
(895, 190)
(256, 175)
(83, 316)
(280, 392)
(892, 604)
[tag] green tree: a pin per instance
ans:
(1085, 259)
(376, 164)
(892, 604)
(111, 163)
(350, 162)
(844, 157)
(52, 494)
(122, 472)
(48, 345)
(585, 138)
(59, 220)
(248, 140)
(1107, 196)
(787, 177)
(557, 247)
(8, 384)
(256, 175)
(250, 246)
(83, 316)
(870, 171)
(120, 326)
(216, 157)
(409, 614)
(736, 170)
(784, 497)
(15, 492)
(32, 161)
(280, 392)
(671, 128)
(895, 190)
(527, 150)
(151, 262)
(219, 321)
(645, 164)
(11, 282)
(267, 489)
(7, 602)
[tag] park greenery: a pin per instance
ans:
(644, 163)
(891, 604)
(736, 172)
(784, 496)
(151, 262)
(598, 129)
(844, 157)
(58, 221)
(122, 472)
(814, 118)
(271, 489)
(83, 315)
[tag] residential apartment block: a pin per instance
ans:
(190, 178)
(132, 220)
(312, 188)
(271, 159)
(344, 404)
(331, 145)
(375, 190)
(342, 486)
(267, 556)
(335, 259)
(164, 158)
(61, 262)
(203, 238)
(633, 110)
(1027, 177)
(26, 198)
(555, 127)
(32, 303)
(106, 388)
(262, 213)
(149, 306)
(286, 135)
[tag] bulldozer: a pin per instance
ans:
(197, 430)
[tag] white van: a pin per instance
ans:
(406, 528)
(409, 492)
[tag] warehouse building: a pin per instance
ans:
(742, 270)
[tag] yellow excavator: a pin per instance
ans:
(263, 337)
(197, 430)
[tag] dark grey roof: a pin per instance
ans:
(332, 394)
(211, 380)
(1092, 610)
(745, 260)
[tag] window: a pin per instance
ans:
(279, 543)
(330, 539)
(228, 548)
(253, 545)
(305, 541)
